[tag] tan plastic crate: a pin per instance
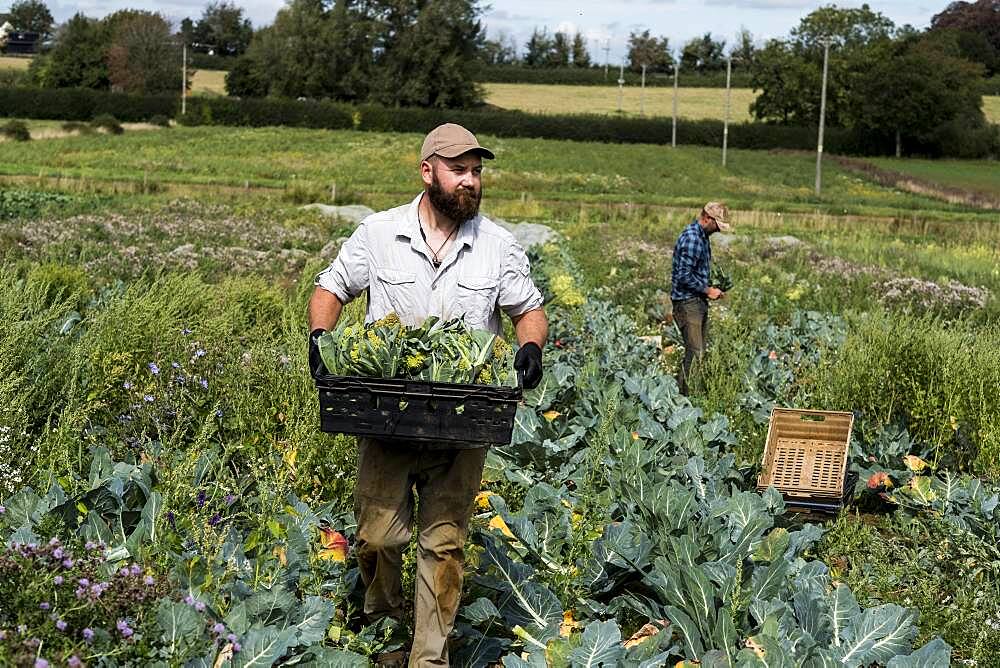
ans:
(805, 456)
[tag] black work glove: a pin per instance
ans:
(316, 367)
(529, 362)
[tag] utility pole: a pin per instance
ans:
(822, 118)
(607, 51)
(642, 94)
(621, 84)
(184, 75)
(729, 97)
(673, 131)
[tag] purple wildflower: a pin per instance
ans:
(199, 353)
(229, 499)
(90, 545)
(2, 510)
(189, 600)
(155, 370)
(88, 634)
(199, 606)
(237, 647)
(148, 581)
(44, 605)
(67, 563)
(148, 398)
(175, 365)
(124, 572)
(53, 542)
(61, 625)
(185, 331)
(203, 383)
(22, 629)
(83, 582)
(201, 498)
(231, 637)
(57, 580)
(170, 518)
(218, 412)
(127, 385)
(218, 629)
(135, 569)
(74, 662)
(124, 629)
(215, 519)
(41, 663)
(57, 553)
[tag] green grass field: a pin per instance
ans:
(526, 169)
(977, 175)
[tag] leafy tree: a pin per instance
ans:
(538, 50)
(913, 88)
(244, 79)
(77, 59)
(31, 16)
(788, 85)
(654, 53)
(499, 51)
(846, 28)
(704, 54)
(561, 51)
(428, 61)
(744, 50)
(224, 28)
(186, 31)
(981, 17)
(581, 57)
(789, 73)
(142, 57)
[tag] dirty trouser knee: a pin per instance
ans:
(691, 316)
(383, 506)
(447, 482)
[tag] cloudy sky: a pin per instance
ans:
(603, 22)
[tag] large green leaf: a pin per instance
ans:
(316, 615)
(843, 609)
(326, 657)
(263, 646)
(691, 641)
(935, 654)
(601, 645)
(179, 626)
(879, 634)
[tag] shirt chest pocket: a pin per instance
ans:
(399, 287)
(476, 299)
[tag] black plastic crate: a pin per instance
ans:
(416, 410)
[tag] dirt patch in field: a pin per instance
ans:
(918, 186)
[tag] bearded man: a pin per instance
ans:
(436, 256)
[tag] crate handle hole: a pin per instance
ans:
(812, 417)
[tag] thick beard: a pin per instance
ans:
(459, 206)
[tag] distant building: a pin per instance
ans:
(19, 42)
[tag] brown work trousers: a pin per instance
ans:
(446, 483)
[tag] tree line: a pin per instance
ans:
(883, 78)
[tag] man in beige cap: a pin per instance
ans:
(436, 256)
(690, 289)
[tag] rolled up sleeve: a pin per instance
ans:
(348, 274)
(518, 293)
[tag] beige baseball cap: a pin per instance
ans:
(450, 141)
(719, 212)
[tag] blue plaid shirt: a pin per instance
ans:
(692, 258)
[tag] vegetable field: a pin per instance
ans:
(166, 496)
